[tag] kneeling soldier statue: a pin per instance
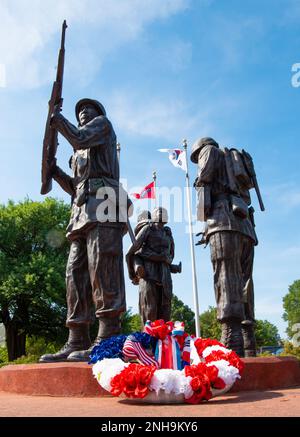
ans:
(95, 266)
(223, 183)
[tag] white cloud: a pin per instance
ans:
(158, 117)
(27, 29)
(167, 116)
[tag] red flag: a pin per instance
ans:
(147, 193)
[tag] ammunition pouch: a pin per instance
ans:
(81, 194)
(94, 184)
(239, 206)
(89, 186)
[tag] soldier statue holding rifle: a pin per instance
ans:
(223, 183)
(94, 273)
(149, 261)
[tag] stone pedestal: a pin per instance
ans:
(76, 379)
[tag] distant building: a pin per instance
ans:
(274, 350)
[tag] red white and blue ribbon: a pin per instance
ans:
(133, 350)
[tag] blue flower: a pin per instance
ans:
(109, 348)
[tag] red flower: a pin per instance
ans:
(215, 381)
(200, 383)
(235, 361)
(160, 329)
(202, 343)
(133, 381)
(232, 358)
(117, 385)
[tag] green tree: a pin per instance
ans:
(183, 313)
(291, 306)
(130, 322)
(266, 334)
(209, 325)
(33, 254)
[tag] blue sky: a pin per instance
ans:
(166, 70)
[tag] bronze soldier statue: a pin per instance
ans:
(94, 271)
(149, 262)
(223, 185)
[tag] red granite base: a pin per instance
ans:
(76, 379)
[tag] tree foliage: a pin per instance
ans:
(33, 255)
(291, 305)
(266, 334)
(210, 327)
(183, 313)
(130, 322)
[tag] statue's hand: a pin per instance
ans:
(140, 272)
(55, 114)
(53, 166)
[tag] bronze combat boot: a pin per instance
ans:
(232, 336)
(249, 338)
(79, 338)
(107, 328)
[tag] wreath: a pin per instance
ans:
(165, 365)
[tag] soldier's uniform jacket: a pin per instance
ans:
(212, 172)
(94, 165)
(156, 246)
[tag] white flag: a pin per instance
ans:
(177, 157)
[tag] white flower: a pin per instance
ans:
(171, 381)
(208, 350)
(106, 369)
(228, 373)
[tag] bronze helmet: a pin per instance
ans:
(160, 215)
(199, 144)
(99, 107)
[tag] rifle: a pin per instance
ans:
(50, 141)
(250, 168)
(129, 227)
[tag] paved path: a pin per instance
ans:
(252, 403)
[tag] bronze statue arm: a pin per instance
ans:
(64, 180)
(206, 164)
(172, 250)
(92, 134)
(140, 239)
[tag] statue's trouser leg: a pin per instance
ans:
(79, 302)
(226, 249)
(79, 290)
(105, 263)
(164, 307)
(149, 298)
(248, 324)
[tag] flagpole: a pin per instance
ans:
(192, 247)
(154, 180)
(119, 154)
(130, 231)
